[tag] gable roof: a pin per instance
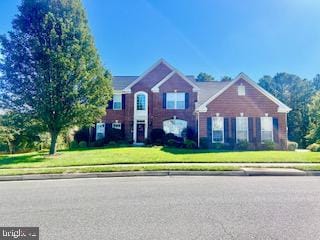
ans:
(121, 82)
(125, 83)
(202, 107)
(208, 89)
(160, 61)
(156, 87)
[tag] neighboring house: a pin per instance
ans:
(223, 112)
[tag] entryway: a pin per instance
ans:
(140, 132)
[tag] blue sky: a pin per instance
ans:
(221, 37)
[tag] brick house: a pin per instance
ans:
(222, 112)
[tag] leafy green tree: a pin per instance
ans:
(316, 82)
(7, 137)
(19, 132)
(204, 77)
(296, 93)
(51, 68)
(226, 79)
(314, 113)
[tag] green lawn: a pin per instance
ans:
(150, 155)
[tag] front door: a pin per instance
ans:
(140, 132)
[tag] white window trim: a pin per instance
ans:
(113, 106)
(212, 120)
(139, 115)
(115, 124)
(100, 126)
(247, 129)
(174, 120)
(176, 100)
(272, 138)
(136, 101)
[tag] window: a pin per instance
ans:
(100, 131)
(241, 90)
(266, 129)
(217, 130)
(175, 101)
(174, 126)
(117, 102)
(242, 128)
(116, 126)
(141, 102)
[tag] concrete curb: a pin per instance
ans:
(242, 172)
(273, 172)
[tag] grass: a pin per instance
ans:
(92, 169)
(132, 155)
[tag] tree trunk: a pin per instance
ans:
(10, 147)
(53, 145)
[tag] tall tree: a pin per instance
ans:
(296, 93)
(316, 82)
(51, 68)
(7, 136)
(204, 77)
(226, 79)
(314, 113)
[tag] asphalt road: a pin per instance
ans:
(166, 208)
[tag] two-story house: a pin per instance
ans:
(163, 97)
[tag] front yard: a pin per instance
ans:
(135, 155)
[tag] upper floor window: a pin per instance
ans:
(266, 129)
(242, 128)
(217, 130)
(176, 100)
(241, 90)
(141, 101)
(117, 102)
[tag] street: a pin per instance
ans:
(165, 208)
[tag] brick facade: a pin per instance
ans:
(156, 113)
(228, 105)
(254, 104)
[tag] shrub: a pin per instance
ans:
(112, 143)
(314, 147)
(230, 142)
(129, 140)
(283, 143)
(268, 145)
(188, 133)
(113, 134)
(82, 144)
(147, 142)
(242, 145)
(190, 144)
(292, 146)
(217, 146)
(175, 143)
(204, 142)
(82, 135)
(171, 143)
(73, 145)
(169, 136)
(99, 143)
(157, 136)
